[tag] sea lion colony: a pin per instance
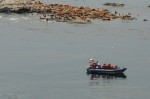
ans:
(60, 12)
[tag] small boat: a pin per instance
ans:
(105, 71)
(96, 68)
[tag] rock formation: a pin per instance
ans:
(59, 12)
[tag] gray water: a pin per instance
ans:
(48, 60)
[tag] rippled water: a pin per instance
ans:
(48, 60)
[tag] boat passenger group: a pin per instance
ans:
(97, 65)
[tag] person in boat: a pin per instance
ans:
(109, 66)
(98, 66)
(104, 66)
(91, 60)
(92, 63)
(116, 67)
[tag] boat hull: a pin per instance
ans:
(107, 76)
(105, 71)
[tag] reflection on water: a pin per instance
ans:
(105, 79)
(107, 76)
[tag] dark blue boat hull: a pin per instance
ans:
(105, 71)
(108, 76)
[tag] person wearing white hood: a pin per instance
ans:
(91, 62)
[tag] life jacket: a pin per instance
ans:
(104, 66)
(116, 67)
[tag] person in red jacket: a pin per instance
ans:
(92, 63)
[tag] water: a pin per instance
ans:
(48, 60)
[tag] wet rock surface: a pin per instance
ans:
(17, 6)
(114, 4)
(60, 12)
(145, 20)
(5, 10)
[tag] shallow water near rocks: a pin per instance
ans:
(48, 60)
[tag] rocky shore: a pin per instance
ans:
(59, 12)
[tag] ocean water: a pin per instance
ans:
(48, 60)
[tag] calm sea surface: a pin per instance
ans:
(48, 60)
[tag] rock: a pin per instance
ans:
(16, 6)
(149, 6)
(23, 10)
(10, 2)
(114, 4)
(6, 10)
(60, 12)
(19, 6)
(145, 20)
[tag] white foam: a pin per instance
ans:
(24, 18)
(0, 16)
(13, 19)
